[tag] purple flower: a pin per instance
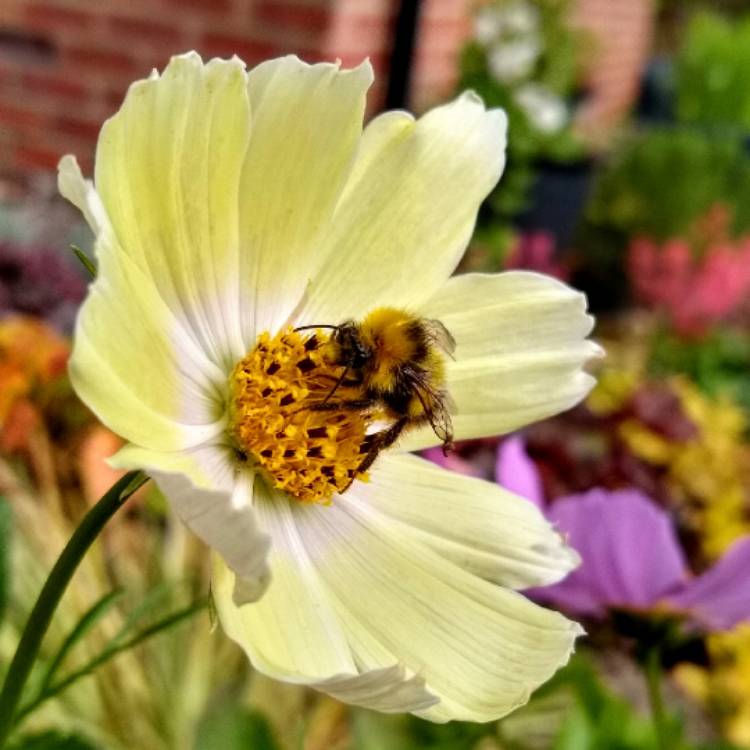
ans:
(631, 556)
(42, 282)
(451, 461)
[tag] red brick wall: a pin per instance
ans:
(66, 64)
(364, 28)
(623, 33)
(444, 26)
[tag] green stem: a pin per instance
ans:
(41, 616)
(656, 699)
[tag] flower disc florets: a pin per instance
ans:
(307, 453)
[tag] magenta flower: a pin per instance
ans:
(694, 293)
(535, 251)
(631, 557)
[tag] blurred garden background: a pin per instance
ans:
(628, 176)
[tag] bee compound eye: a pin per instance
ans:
(361, 354)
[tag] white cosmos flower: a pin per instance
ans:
(520, 17)
(488, 24)
(507, 19)
(510, 61)
(228, 204)
(544, 108)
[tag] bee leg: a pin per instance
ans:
(376, 443)
(351, 405)
(380, 441)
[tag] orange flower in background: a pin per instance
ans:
(96, 475)
(32, 355)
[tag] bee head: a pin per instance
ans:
(351, 350)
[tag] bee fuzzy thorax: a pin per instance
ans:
(395, 337)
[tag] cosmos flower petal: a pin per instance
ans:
(478, 525)
(630, 554)
(81, 193)
(168, 168)
(481, 649)
(306, 125)
(294, 633)
(408, 210)
(516, 472)
(720, 597)
(136, 366)
(388, 689)
(205, 490)
(520, 349)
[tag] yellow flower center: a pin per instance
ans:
(310, 454)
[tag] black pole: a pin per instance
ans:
(402, 54)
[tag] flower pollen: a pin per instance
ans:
(310, 454)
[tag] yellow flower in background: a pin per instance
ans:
(614, 388)
(728, 681)
(231, 208)
(708, 473)
(722, 483)
(723, 687)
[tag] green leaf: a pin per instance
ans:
(660, 181)
(6, 525)
(299, 743)
(235, 728)
(82, 627)
(577, 732)
(712, 73)
(112, 650)
(86, 262)
(52, 741)
(537, 724)
(152, 602)
(374, 731)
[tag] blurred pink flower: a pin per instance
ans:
(695, 292)
(451, 461)
(535, 251)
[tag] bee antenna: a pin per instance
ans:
(321, 325)
(336, 385)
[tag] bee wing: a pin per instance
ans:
(439, 335)
(440, 419)
(436, 403)
(449, 404)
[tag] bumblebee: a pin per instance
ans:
(393, 364)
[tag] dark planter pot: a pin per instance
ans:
(656, 103)
(557, 200)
